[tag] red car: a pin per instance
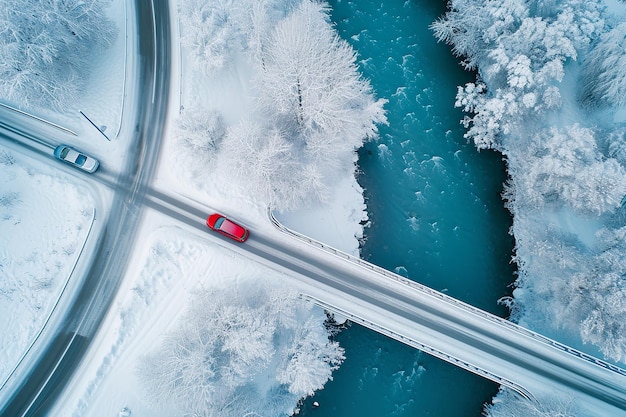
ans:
(227, 227)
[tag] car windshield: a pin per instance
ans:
(232, 229)
(64, 152)
(218, 222)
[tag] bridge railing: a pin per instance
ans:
(443, 297)
(423, 347)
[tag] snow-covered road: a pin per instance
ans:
(43, 376)
(423, 318)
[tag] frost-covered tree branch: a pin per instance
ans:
(248, 349)
(48, 48)
(566, 168)
(509, 404)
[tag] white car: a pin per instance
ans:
(78, 159)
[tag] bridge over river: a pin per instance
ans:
(480, 342)
(497, 349)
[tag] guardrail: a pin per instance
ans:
(424, 348)
(32, 116)
(447, 299)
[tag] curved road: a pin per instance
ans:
(33, 394)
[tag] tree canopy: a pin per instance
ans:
(251, 348)
(47, 48)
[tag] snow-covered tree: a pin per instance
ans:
(199, 133)
(602, 77)
(217, 31)
(317, 109)
(261, 18)
(251, 349)
(314, 108)
(605, 292)
(271, 167)
(604, 325)
(564, 284)
(510, 404)
(566, 167)
(48, 48)
(260, 159)
(301, 366)
(472, 26)
(310, 79)
(208, 29)
(519, 56)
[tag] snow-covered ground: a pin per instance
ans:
(46, 218)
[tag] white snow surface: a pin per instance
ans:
(45, 220)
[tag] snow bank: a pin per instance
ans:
(550, 96)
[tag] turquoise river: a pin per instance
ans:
(435, 210)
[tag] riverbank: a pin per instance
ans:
(434, 210)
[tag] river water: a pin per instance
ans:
(435, 210)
